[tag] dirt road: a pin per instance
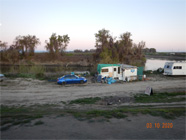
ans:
(133, 127)
(28, 91)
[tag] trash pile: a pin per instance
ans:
(100, 79)
(110, 80)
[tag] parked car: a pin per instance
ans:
(71, 79)
(2, 77)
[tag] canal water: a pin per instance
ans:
(154, 64)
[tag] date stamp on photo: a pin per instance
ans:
(159, 125)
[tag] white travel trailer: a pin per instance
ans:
(175, 68)
(118, 71)
(128, 72)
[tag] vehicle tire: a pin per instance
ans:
(64, 83)
(81, 82)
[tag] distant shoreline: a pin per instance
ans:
(170, 57)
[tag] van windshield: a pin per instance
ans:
(167, 66)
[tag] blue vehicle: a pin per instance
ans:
(71, 79)
(2, 77)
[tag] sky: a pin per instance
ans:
(160, 23)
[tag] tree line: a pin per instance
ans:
(149, 50)
(85, 51)
(24, 47)
(109, 49)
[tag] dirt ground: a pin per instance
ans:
(21, 91)
(28, 92)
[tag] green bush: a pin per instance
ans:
(37, 69)
(23, 69)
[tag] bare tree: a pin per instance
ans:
(26, 44)
(57, 44)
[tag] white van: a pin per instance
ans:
(175, 68)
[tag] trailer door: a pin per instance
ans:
(115, 72)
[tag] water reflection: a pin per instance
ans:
(154, 64)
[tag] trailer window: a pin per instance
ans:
(177, 67)
(104, 70)
(118, 70)
(114, 69)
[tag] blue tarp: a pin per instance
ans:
(110, 80)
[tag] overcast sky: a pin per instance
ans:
(160, 23)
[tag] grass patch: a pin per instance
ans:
(12, 109)
(11, 116)
(168, 113)
(18, 119)
(26, 71)
(173, 93)
(96, 113)
(85, 101)
(25, 75)
(106, 113)
(159, 97)
(3, 85)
